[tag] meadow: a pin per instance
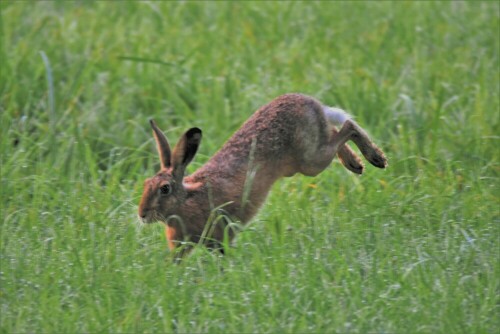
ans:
(411, 249)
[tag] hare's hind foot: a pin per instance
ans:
(369, 150)
(350, 159)
(376, 157)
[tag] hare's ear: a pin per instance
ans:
(185, 150)
(162, 146)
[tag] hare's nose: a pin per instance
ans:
(142, 213)
(143, 218)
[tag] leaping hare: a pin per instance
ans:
(292, 134)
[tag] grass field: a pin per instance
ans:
(412, 249)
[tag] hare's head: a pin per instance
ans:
(165, 192)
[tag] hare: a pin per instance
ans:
(292, 134)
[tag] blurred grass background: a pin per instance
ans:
(414, 248)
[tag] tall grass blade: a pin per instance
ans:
(50, 85)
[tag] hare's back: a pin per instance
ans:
(285, 126)
(283, 132)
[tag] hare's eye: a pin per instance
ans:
(165, 189)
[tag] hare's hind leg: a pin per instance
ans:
(347, 156)
(316, 159)
(351, 131)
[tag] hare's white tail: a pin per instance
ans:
(336, 116)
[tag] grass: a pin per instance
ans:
(411, 249)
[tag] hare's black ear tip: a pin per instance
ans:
(194, 133)
(152, 122)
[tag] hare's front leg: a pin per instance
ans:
(175, 245)
(351, 131)
(172, 237)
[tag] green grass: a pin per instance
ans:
(413, 249)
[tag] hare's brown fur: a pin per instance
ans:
(289, 135)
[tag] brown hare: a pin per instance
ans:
(292, 134)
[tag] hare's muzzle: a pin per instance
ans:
(143, 219)
(144, 216)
